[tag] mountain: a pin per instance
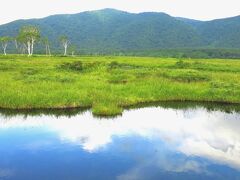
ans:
(111, 30)
(221, 33)
(192, 22)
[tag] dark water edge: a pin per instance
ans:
(69, 112)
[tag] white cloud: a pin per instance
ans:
(212, 135)
(21, 9)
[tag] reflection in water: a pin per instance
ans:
(161, 140)
(5, 173)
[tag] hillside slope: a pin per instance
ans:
(110, 30)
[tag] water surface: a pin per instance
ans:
(148, 143)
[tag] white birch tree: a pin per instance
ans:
(4, 41)
(29, 35)
(45, 41)
(72, 49)
(21, 44)
(65, 43)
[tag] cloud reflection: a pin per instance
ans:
(194, 132)
(5, 173)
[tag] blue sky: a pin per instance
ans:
(196, 9)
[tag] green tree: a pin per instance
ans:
(29, 35)
(21, 44)
(46, 43)
(72, 49)
(4, 41)
(65, 43)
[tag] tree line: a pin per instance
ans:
(28, 36)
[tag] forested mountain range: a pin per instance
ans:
(111, 30)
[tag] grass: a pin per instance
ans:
(110, 84)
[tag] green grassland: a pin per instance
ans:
(109, 84)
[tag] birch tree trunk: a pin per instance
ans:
(4, 49)
(32, 44)
(16, 45)
(23, 48)
(4, 46)
(49, 52)
(29, 48)
(65, 47)
(46, 50)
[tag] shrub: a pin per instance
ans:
(74, 66)
(181, 64)
(113, 65)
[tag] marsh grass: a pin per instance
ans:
(123, 66)
(73, 66)
(186, 76)
(109, 84)
(118, 78)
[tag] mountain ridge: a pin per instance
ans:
(114, 30)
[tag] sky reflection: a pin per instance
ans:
(196, 133)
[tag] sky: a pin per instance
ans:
(11, 10)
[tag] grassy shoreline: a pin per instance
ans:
(110, 84)
(213, 106)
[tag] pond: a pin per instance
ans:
(152, 143)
